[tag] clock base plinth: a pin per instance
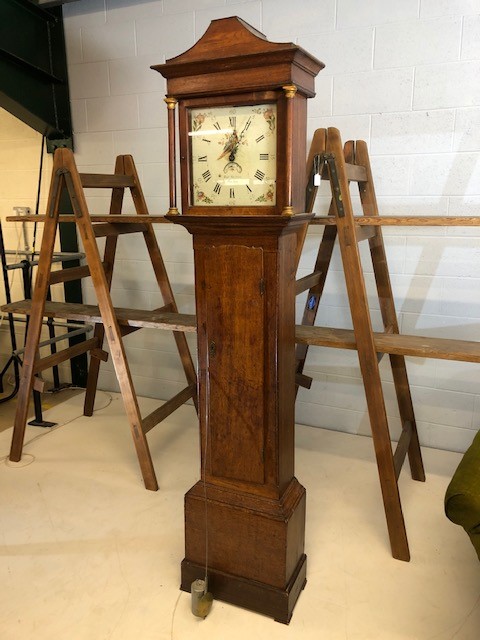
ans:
(255, 546)
(255, 596)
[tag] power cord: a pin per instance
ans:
(29, 457)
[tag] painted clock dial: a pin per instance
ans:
(233, 152)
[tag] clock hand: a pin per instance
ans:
(233, 142)
(238, 139)
(230, 147)
(245, 128)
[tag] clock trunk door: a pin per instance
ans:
(235, 317)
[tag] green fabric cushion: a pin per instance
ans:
(462, 499)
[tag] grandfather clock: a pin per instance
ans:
(242, 132)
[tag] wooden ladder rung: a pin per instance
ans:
(356, 172)
(365, 233)
(67, 275)
(303, 381)
(106, 181)
(167, 408)
(105, 229)
(64, 354)
(401, 449)
(307, 282)
(127, 317)
(397, 344)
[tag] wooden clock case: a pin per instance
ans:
(245, 518)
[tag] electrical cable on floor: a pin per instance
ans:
(173, 614)
(53, 392)
(28, 456)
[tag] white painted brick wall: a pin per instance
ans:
(401, 75)
(451, 84)
(417, 42)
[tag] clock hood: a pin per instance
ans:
(233, 56)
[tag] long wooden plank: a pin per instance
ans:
(383, 220)
(113, 218)
(407, 345)
(129, 317)
(127, 330)
(404, 221)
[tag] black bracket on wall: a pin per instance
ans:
(33, 69)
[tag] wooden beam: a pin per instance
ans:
(407, 345)
(402, 448)
(106, 229)
(307, 282)
(105, 181)
(65, 354)
(167, 408)
(125, 316)
(67, 275)
(356, 172)
(112, 218)
(404, 221)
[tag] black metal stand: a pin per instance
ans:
(12, 360)
(26, 265)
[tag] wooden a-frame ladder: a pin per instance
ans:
(110, 323)
(340, 165)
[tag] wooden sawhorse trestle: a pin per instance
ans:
(110, 323)
(342, 165)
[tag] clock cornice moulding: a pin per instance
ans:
(221, 45)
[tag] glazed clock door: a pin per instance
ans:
(236, 362)
(233, 155)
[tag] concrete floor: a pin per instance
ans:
(88, 554)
